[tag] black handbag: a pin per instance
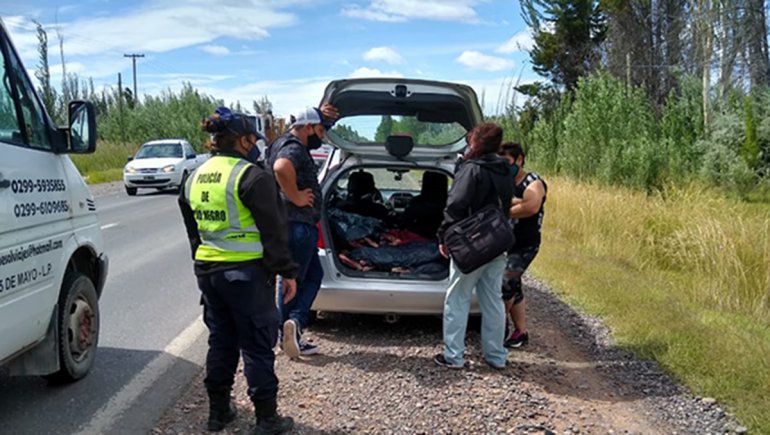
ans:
(480, 238)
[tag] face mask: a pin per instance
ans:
(514, 170)
(314, 142)
(253, 154)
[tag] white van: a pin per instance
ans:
(52, 261)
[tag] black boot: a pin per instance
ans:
(268, 420)
(221, 409)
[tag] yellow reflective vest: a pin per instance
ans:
(226, 227)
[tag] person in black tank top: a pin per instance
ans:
(526, 212)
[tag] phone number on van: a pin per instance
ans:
(39, 186)
(40, 208)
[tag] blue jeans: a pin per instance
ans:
(488, 281)
(303, 243)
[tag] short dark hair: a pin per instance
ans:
(485, 138)
(512, 149)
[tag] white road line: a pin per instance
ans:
(108, 226)
(122, 401)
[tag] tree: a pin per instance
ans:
(384, 129)
(750, 151)
(43, 73)
(703, 27)
(263, 106)
(568, 35)
(756, 29)
(348, 133)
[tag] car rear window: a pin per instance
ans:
(374, 129)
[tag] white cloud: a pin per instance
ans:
(164, 25)
(405, 10)
(216, 50)
(480, 61)
(364, 72)
(495, 94)
(72, 68)
(522, 41)
(383, 54)
(287, 96)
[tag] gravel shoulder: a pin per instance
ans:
(375, 377)
(104, 189)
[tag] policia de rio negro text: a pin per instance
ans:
(238, 233)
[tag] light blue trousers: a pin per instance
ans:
(488, 281)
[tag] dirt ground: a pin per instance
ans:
(374, 377)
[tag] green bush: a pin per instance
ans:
(169, 115)
(722, 162)
(610, 135)
(681, 127)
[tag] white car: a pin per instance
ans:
(161, 164)
(427, 123)
(52, 261)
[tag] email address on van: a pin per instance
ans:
(32, 250)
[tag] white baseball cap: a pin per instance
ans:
(310, 115)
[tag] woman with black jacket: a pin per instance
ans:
(482, 178)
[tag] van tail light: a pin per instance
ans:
(321, 244)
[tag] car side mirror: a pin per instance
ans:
(81, 132)
(190, 156)
(129, 158)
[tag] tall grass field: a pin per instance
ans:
(106, 164)
(681, 277)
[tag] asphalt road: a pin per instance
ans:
(152, 342)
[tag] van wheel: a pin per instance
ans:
(131, 191)
(78, 328)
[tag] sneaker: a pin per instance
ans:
(279, 341)
(517, 339)
(495, 366)
(441, 361)
(290, 339)
(307, 349)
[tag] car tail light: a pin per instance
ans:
(321, 244)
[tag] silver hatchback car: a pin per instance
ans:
(394, 153)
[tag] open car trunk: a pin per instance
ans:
(381, 221)
(433, 117)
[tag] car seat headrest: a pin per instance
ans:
(361, 183)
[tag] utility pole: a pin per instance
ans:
(120, 107)
(133, 60)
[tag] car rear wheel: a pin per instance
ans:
(131, 191)
(78, 328)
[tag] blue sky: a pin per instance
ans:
(285, 49)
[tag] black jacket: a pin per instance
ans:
(478, 183)
(259, 193)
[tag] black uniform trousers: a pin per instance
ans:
(240, 312)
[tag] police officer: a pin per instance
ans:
(237, 228)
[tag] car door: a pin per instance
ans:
(191, 159)
(34, 209)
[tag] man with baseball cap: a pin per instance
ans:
(297, 175)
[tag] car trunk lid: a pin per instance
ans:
(427, 104)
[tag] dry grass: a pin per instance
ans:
(106, 164)
(682, 277)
